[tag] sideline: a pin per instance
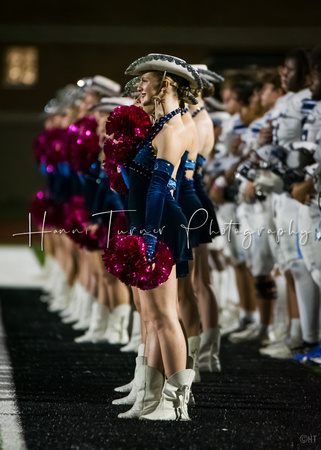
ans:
(11, 434)
(19, 267)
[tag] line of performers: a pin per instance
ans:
(127, 218)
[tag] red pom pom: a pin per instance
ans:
(54, 213)
(129, 122)
(84, 145)
(115, 178)
(128, 125)
(99, 238)
(118, 224)
(120, 152)
(76, 213)
(76, 222)
(125, 259)
(51, 147)
(76, 219)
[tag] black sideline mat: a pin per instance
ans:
(64, 392)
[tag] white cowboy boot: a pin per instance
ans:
(125, 388)
(131, 397)
(129, 386)
(85, 313)
(149, 390)
(193, 351)
(71, 307)
(189, 365)
(46, 269)
(51, 284)
(174, 399)
(61, 295)
(209, 360)
(75, 314)
(135, 338)
(55, 272)
(98, 324)
(117, 331)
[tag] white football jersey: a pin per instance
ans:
(312, 124)
(311, 132)
(289, 122)
(252, 134)
(222, 146)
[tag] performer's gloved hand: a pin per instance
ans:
(198, 179)
(150, 242)
(157, 190)
(180, 174)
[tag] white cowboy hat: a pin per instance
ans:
(130, 89)
(206, 74)
(100, 84)
(166, 63)
(108, 104)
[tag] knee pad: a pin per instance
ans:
(298, 268)
(316, 275)
(265, 287)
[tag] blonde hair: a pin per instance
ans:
(180, 85)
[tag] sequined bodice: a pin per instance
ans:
(146, 156)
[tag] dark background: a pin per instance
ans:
(83, 38)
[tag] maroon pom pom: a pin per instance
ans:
(99, 234)
(99, 238)
(129, 122)
(51, 147)
(125, 259)
(40, 204)
(76, 224)
(127, 125)
(115, 177)
(84, 145)
(120, 152)
(119, 224)
(76, 213)
(76, 219)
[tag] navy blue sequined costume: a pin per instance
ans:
(105, 200)
(63, 183)
(172, 232)
(99, 197)
(192, 207)
(211, 228)
(91, 182)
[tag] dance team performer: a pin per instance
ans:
(191, 207)
(207, 303)
(95, 89)
(199, 212)
(164, 82)
(110, 313)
